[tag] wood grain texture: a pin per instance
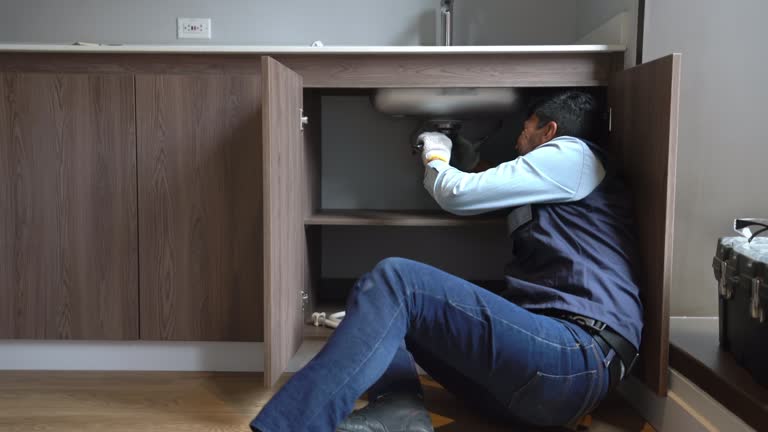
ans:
(129, 401)
(396, 218)
(312, 182)
(68, 253)
(200, 207)
(351, 70)
(182, 64)
(471, 70)
(205, 402)
(286, 201)
(645, 102)
(312, 137)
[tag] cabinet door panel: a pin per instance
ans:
(68, 257)
(200, 209)
(645, 102)
(285, 197)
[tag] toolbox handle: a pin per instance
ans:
(742, 226)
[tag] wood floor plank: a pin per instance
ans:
(192, 401)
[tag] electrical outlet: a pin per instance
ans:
(193, 28)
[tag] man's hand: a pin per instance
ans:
(437, 146)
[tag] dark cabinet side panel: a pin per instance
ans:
(645, 102)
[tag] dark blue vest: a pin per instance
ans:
(579, 257)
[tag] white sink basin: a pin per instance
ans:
(444, 102)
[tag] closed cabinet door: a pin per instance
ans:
(644, 102)
(68, 234)
(200, 207)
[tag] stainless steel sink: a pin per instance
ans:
(444, 102)
(454, 103)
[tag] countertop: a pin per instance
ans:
(283, 50)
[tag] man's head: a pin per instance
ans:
(567, 114)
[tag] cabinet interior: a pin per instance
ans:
(370, 203)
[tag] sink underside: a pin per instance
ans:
(444, 102)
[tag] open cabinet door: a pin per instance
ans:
(285, 273)
(644, 102)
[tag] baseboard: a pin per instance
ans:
(703, 406)
(686, 408)
(142, 356)
(146, 356)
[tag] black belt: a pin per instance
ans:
(625, 354)
(616, 367)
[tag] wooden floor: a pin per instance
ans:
(191, 402)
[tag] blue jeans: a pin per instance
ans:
(522, 366)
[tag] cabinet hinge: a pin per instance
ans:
(303, 120)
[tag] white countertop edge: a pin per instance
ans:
(255, 49)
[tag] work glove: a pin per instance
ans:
(435, 145)
(465, 155)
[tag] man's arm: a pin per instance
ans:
(562, 170)
(482, 165)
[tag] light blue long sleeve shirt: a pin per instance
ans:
(561, 170)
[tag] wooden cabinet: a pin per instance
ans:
(643, 101)
(285, 260)
(200, 212)
(177, 196)
(131, 197)
(68, 227)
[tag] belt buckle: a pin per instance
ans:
(632, 363)
(594, 325)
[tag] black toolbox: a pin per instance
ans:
(741, 269)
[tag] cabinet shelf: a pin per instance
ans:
(329, 307)
(317, 333)
(416, 218)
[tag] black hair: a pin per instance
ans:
(576, 114)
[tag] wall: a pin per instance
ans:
(616, 21)
(300, 22)
(592, 13)
(248, 22)
(722, 168)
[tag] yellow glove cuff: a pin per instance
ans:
(436, 157)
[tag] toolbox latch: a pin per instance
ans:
(723, 286)
(755, 308)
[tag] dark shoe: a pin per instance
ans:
(395, 412)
